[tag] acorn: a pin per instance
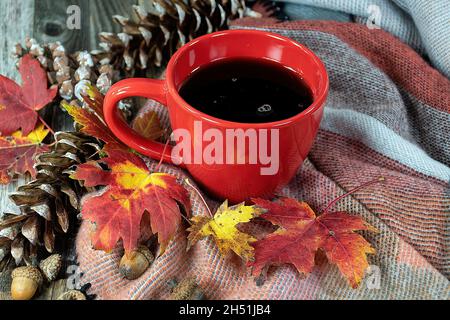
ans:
(51, 266)
(187, 289)
(25, 282)
(134, 264)
(72, 295)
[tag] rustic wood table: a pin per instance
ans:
(46, 21)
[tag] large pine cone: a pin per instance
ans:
(157, 34)
(50, 203)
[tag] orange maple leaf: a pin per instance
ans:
(94, 125)
(147, 123)
(131, 192)
(302, 234)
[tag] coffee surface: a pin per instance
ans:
(247, 91)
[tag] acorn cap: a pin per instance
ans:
(51, 266)
(72, 295)
(133, 265)
(187, 289)
(147, 253)
(28, 272)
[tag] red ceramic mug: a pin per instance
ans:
(233, 181)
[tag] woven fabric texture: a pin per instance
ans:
(388, 114)
(423, 25)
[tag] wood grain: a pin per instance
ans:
(96, 16)
(45, 20)
(16, 24)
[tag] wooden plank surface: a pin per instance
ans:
(45, 20)
(16, 24)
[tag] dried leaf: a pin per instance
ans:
(17, 153)
(302, 234)
(131, 192)
(93, 125)
(147, 124)
(94, 99)
(223, 229)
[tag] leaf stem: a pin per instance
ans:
(46, 125)
(364, 185)
(16, 146)
(185, 218)
(20, 146)
(164, 151)
(200, 195)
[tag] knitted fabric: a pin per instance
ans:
(387, 115)
(423, 25)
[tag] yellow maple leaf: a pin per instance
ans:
(223, 229)
(35, 136)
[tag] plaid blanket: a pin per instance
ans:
(423, 25)
(387, 115)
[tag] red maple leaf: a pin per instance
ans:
(131, 192)
(18, 105)
(302, 234)
(17, 153)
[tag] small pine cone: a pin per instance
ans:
(43, 61)
(60, 63)
(80, 89)
(51, 267)
(82, 73)
(66, 90)
(187, 289)
(72, 295)
(104, 83)
(57, 50)
(68, 70)
(18, 50)
(63, 74)
(33, 47)
(84, 59)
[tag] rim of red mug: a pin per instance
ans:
(317, 103)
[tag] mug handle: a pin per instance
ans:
(137, 87)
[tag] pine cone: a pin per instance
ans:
(157, 34)
(49, 204)
(69, 70)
